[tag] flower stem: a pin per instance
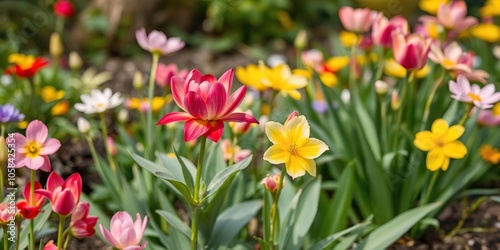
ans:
(274, 210)
(60, 231)
(5, 238)
(105, 140)
(149, 119)
(399, 113)
(195, 209)
(428, 192)
(466, 114)
(429, 100)
(32, 235)
(31, 202)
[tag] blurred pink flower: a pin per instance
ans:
(32, 151)
(50, 246)
(64, 8)
(383, 28)
(233, 151)
(488, 117)
(451, 16)
(82, 224)
(312, 58)
(63, 195)
(410, 51)
(356, 20)
(124, 232)
(483, 98)
(164, 74)
(5, 215)
(240, 128)
(207, 103)
(157, 42)
(271, 182)
(112, 146)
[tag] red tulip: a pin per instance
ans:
(410, 51)
(64, 8)
(207, 103)
(383, 28)
(31, 210)
(82, 224)
(63, 195)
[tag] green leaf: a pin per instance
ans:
(174, 166)
(299, 218)
(368, 129)
(391, 231)
(39, 223)
(323, 244)
(215, 159)
(188, 176)
(230, 222)
(174, 221)
(224, 175)
(179, 186)
(151, 166)
(96, 210)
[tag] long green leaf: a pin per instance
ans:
(188, 176)
(330, 239)
(230, 222)
(179, 186)
(224, 175)
(391, 231)
(175, 222)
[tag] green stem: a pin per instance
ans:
(428, 192)
(5, 238)
(383, 122)
(31, 202)
(274, 210)
(60, 231)
(59, 25)
(149, 126)
(68, 237)
(32, 235)
(196, 209)
(18, 229)
(105, 140)
(399, 113)
(380, 68)
(429, 100)
(466, 114)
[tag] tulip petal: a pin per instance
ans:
(216, 100)
(240, 117)
(178, 86)
(65, 203)
(194, 129)
(277, 134)
(234, 100)
(54, 181)
(277, 154)
(46, 166)
(36, 131)
(312, 148)
(435, 159)
(128, 237)
(455, 150)
(215, 131)
(50, 146)
(195, 105)
(174, 117)
(299, 130)
(296, 167)
(227, 80)
(107, 235)
(74, 184)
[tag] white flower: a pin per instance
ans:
(98, 102)
(83, 125)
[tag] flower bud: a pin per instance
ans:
(240, 128)
(381, 87)
(138, 81)
(345, 95)
(112, 146)
(56, 47)
(83, 125)
(395, 100)
(292, 115)
(75, 61)
(301, 40)
(271, 182)
(123, 115)
(262, 123)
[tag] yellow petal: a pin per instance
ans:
(423, 141)
(276, 155)
(455, 150)
(329, 79)
(312, 148)
(423, 72)
(337, 63)
(454, 132)
(295, 94)
(277, 134)
(446, 163)
(435, 159)
(298, 130)
(392, 68)
(439, 127)
(296, 166)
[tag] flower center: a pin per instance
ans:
(496, 109)
(100, 105)
(448, 63)
(474, 97)
(33, 149)
(293, 149)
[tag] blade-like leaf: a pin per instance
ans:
(224, 175)
(181, 187)
(391, 231)
(188, 176)
(330, 239)
(174, 221)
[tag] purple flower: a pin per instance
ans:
(10, 114)
(157, 42)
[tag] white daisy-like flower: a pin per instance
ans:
(98, 102)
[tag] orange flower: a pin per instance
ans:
(25, 65)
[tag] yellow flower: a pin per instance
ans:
(487, 32)
(392, 68)
(293, 147)
(282, 79)
(23, 61)
(491, 8)
(50, 94)
(431, 6)
(22, 124)
(158, 103)
(61, 108)
(348, 39)
(252, 76)
(442, 143)
(490, 154)
(142, 105)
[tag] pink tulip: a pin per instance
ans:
(31, 210)
(312, 58)
(233, 151)
(451, 16)
(164, 74)
(50, 246)
(82, 224)
(125, 233)
(463, 91)
(410, 51)
(5, 215)
(356, 20)
(383, 28)
(240, 128)
(454, 59)
(488, 117)
(32, 151)
(63, 195)
(112, 146)
(157, 42)
(207, 103)
(271, 182)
